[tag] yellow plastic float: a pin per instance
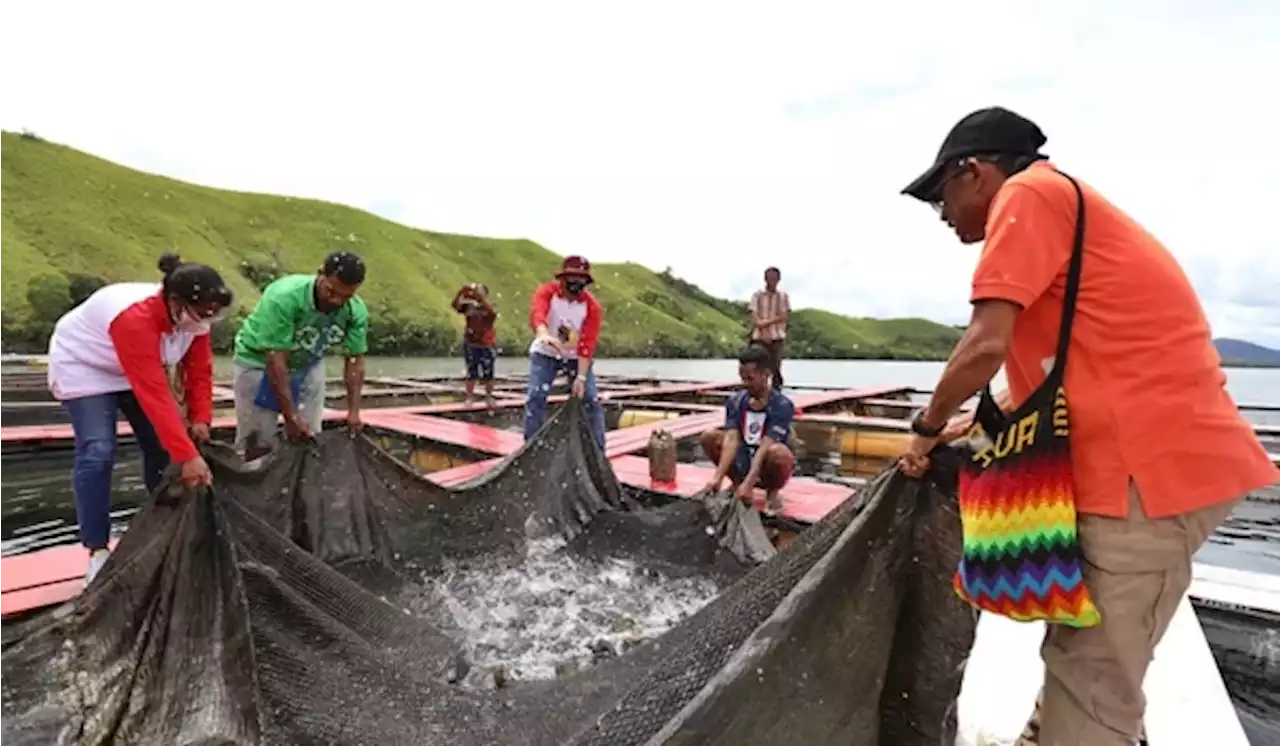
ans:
(875, 444)
(636, 417)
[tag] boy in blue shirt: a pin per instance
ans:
(752, 448)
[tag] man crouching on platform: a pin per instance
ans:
(752, 448)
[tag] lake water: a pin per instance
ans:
(1247, 385)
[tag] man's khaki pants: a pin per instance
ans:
(1137, 569)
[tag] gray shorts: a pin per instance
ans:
(260, 424)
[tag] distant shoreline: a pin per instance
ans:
(1247, 364)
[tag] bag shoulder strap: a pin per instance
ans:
(1073, 280)
(988, 414)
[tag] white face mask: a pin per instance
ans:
(192, 325)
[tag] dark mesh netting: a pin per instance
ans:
(287, 606)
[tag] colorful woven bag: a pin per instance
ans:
(1021, 555)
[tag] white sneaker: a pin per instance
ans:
(97, 558)
(773, 504)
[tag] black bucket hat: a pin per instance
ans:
(991, 131)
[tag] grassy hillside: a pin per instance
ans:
(72, 221)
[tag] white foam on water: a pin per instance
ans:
(551, 614)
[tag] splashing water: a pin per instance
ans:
(550, 614)
(1265, 648)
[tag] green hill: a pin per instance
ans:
(72, 221)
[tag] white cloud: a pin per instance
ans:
(710, 137)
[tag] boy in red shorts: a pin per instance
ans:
(752, 448)
(479, 340)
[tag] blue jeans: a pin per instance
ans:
(480, 362)
(93, 420)
(543, 370)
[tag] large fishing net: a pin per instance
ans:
(289, 605)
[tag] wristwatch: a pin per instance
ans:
(919, 428)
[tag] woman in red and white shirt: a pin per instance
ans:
(108, 355)
(565, 318)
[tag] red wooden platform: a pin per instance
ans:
(605, 396)
(903, 403)
(674, 406)
(43, 578)
(803, 500)
(62, 431)
(857, 421)
(417, 422)
(443, 430)
(504, 442)
(459, 474)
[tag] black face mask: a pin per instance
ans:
(573, 287)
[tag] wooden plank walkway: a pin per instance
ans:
(804, 500)
(443, 430)
(62, 431)
(459, 474)
(414, 421)
(857, 421)
(605, 397)
(669, 406)
(38, 579)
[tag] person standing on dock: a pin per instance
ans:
(752, 448)
(479, 341)
(108, 355)
(1158, 452)
(565, 318)
(279, 353)
(769, 311)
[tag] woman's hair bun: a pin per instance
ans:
(169, 261)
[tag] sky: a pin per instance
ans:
(715, 138)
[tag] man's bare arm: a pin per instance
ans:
(728, 449)
(976, 359)
(353, 377)
(757, 463)
(278, 378)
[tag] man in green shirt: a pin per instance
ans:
(285, 338)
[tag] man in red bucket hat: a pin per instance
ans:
(565, 318)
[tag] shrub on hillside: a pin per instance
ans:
(392, 334)
(80, 287)
(261, 274)
(223, 335)
(732, 309)
(49, 296)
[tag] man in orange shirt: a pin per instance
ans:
(1159, 451)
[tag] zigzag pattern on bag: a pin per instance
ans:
(1021, 551)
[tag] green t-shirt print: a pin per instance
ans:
(286, 319)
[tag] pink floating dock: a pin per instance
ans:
(804, 500)
(62, 431)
